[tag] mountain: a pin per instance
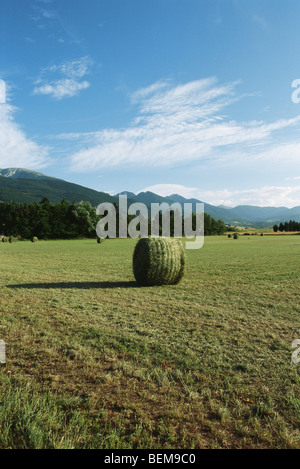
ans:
(258, 213)
(130, 195)
(26, 186)
(246, 215)
(149, 198)
(20, 173)
(146, 198)
(213, 211)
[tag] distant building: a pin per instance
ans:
(2, 92)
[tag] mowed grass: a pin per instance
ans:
(93, 361)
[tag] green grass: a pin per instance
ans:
(94, 361)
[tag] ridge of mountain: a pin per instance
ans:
(22, 173)
(26, 186)
(26, 190)
(248, 215)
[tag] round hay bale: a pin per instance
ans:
(34, 239)
(4, 239)
(158, 261)
(235, 236)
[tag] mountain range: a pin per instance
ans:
(246, 215)
(26, 186)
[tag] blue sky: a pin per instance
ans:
(176, 96)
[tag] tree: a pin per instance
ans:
(85, 215)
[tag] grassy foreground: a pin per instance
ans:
(93, 361)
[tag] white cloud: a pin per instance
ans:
(295, 178)
(47, 14)
(2, 92)
(16, 149)
(62, 88)
(261, 22)
(42, 15)
(64, 80)
(73, 68)
(168, 189)
(266, 196)
(181, 124)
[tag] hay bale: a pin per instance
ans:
(158, 261)
(12, 239)
(235, 236)
(34, 239)
(4, 239)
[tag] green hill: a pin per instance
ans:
(34, 190)
(26, 186)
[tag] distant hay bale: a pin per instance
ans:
(4, 239)
(34, 239)
(229, 236)
(12, 239)
(158, 261)
(235, 236)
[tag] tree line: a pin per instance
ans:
(291, 225)
(64, 220)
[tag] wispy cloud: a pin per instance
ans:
(266, 196)
(64, 80)
(295, 178)
(42, 11)
(65, 88)
(180, 124)
(261, 22)
(2, 92)
(16, 149)
(30, 40)
(50, 21)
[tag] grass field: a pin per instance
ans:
(93, 361)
